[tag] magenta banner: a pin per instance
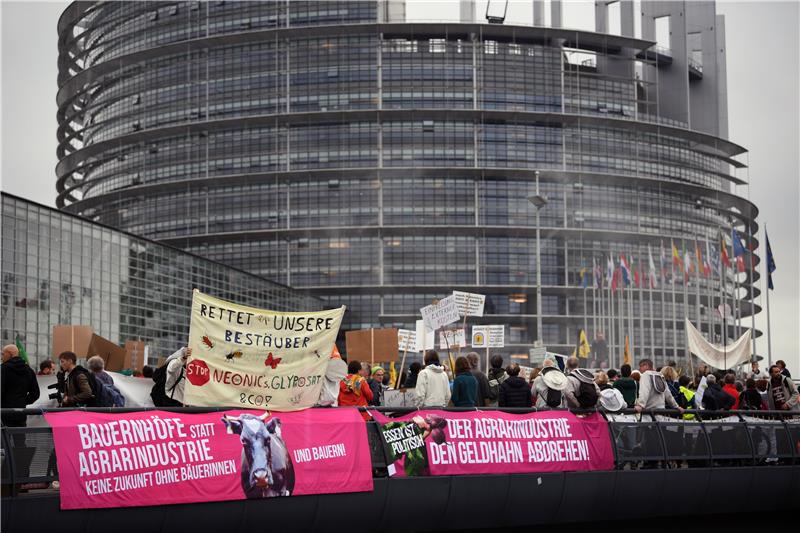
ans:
(439, 443)
(158, 457)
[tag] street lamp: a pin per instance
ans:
(538, 202)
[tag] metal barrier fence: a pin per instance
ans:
(656, 439)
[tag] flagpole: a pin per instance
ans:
(641, 301)
(769, 330)
(697, 287)
(752, 283)
(663, 276)
(686, 300)
(650, 277)
(674, 311)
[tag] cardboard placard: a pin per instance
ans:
(135, 355)
(449, 339)
(536, 356)
(71, 338)
(425, 336)
(372, 345)
(406, 340)
(469, 303)
(488, 336)
(444, 312)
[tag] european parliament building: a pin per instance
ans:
(337, 148)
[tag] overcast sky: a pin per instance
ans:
(763, 87)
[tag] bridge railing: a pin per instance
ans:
(655, 439)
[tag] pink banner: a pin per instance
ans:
(439, 443)
(158, 457)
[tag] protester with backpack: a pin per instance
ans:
(549, 387)
(81, 385)
(176, 374)
(750, 398)
(653, 390)
(781, 392)
(581, 392)
(108, 395)
(497, 375)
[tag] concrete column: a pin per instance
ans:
(391, 10)
(538, 12)
(466, 11)
(704, 94)
(555, 14)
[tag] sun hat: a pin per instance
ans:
(583, 375)
(554, 378)
(612, 400)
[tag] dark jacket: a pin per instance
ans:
(465, 390)
(79, 388)
(19, 389)
(715, 399)
(483, 387)
(377, 392)
(496, 378)
(627, 386)
(411, 380)
(750, 399)
(514, 392)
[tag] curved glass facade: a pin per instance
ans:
(385, 164)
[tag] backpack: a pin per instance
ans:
(587, 395)
(553, 398)
(494, 386)
(161, 397)
(109, 396)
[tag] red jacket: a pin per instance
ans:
(731, 389)
(354, 390)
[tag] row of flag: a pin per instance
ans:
(624, 272)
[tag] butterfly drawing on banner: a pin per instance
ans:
(271, 361)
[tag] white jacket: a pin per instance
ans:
(334, 373)
(433, 387)
(174, 367)
(649, 398)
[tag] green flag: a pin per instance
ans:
(22, 353)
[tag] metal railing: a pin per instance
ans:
(654, 439)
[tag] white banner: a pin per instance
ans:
(452, 339)
(488, 336)
(406, 340)
(718, 356)
(469, 303)
(440, 314)
(248, 357)
(424, 338)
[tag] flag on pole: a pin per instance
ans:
(738, 250)
(726, 261)
(23, 354)
(626, 271)
(584, 274)
(664, 263)
(688, 267)
(770, 262)
(652, 268)
(392, 374)
(582, 349)
(609, 270)
(597, 274)
(626, 359)
(615, 280)
(635, 269)
(713, 257)
(676, 256)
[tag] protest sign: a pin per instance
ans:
(159, 457)
(442, 313)
(372, 345)
(488, 336)
(248, 357)
(424, 337)
(452, 338)
(440, 443)
(537, 355)
(406, 340)
(469, 303)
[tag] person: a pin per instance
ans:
(755, 372)
(781, 392)
(653, 391)
(480, 377)
(514, 392)
(785, 371)
(354, 389)
(671, 378)
(686, 396)
(176, 374)
(611, 400)
(714, 398)
(147, 371)
(497, 375)
(626, 385)
(581, 392)
(46, 367)
(433, 387)
(78, 382)
(365, 370)
(729, 388)
(97, 365)
(376, 385)
(750, 399)
(762, 386)
(549, 387)
(413, 372)
(465, 386)
(600, 351)
(335, 372)
(534, 374)
(19, 388)
(613, 376)
(601, 378)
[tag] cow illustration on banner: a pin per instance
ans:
(156, 457)
(253, 358)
